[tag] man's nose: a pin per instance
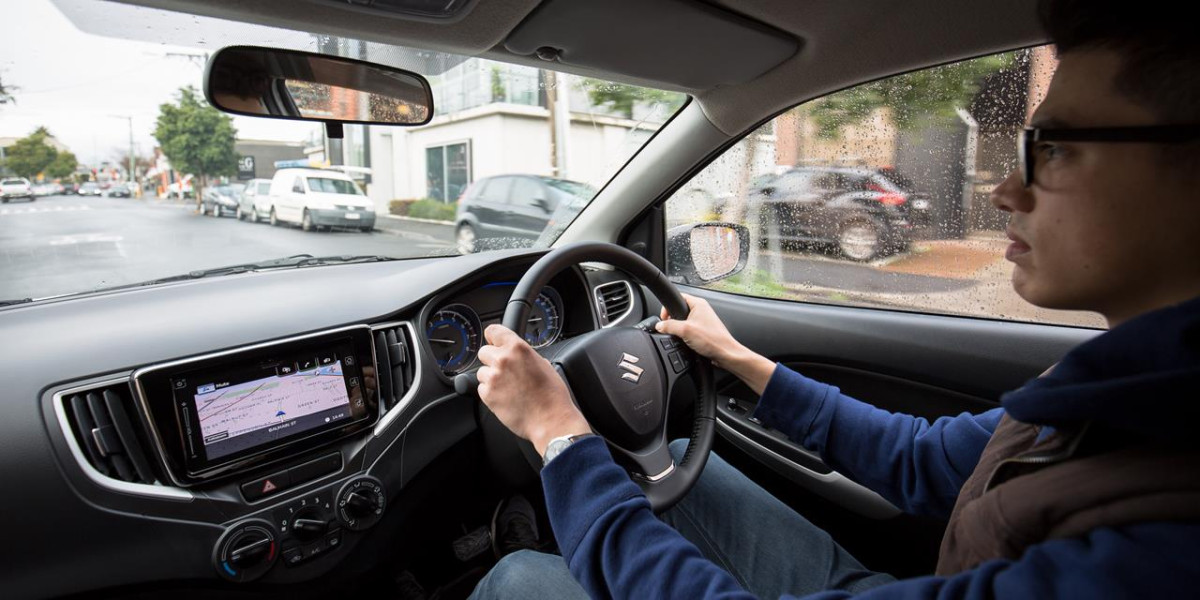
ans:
(1011, 195)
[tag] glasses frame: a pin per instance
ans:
(1157, 134)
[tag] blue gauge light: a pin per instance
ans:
(454, 337)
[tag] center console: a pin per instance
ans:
(221, 414)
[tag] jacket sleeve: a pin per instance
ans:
(917, 465)
(616, 547)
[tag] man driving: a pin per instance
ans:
(1084, 483)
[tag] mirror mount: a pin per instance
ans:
(334, 130)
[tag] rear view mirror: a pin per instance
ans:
(706, 252)
(304, 86)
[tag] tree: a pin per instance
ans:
(913, 97)
(621, 98)
(196, 137)
(31, 155)
(6, 93)
(63, 165)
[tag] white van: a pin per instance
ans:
(316, 198)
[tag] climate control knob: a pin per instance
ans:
(309, 524)
(246, 551)
(361, 502)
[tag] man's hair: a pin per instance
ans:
(1159, 46)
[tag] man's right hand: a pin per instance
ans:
(704, 333)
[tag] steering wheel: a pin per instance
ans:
(622, 377)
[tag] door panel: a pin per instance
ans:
(925, 365)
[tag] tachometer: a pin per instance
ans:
(545, 319)
(454, 335)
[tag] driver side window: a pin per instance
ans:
(878, 195)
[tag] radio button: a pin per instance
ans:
(269, 485)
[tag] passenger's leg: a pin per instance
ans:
(529, 575)
(769, 548)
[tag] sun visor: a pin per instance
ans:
(677, 42)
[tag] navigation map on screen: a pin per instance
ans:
(270, 407)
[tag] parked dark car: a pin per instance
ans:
(118, 190)
(862, 213)
(222, 200)
(514, 210)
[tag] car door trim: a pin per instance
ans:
(832, 486)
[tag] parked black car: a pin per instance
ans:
(862, 213)
(513, 210)
(222, 199)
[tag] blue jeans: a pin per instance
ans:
(769, 548)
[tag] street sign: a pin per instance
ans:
(245, 167)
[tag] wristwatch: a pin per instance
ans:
(558, 444)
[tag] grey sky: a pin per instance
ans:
(74, 82)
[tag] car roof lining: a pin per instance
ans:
(840, 43)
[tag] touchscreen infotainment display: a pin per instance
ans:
(235, 415)
(238, 409)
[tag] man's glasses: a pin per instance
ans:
(1030, 137)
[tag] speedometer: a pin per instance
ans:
(454, 334)
(545, 319)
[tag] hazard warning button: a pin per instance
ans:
(266, 486)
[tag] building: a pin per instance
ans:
(492, 119)
(257, 158)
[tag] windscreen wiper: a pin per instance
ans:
(293, 261)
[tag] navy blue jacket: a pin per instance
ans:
(1141, 379)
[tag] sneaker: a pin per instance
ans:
(514, 527)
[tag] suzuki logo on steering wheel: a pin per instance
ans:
(634, 372)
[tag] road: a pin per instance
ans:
(66, 244)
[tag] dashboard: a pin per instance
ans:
(455, 328)
(275, 446)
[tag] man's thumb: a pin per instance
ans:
(671, 327)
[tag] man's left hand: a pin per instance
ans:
(524, 391)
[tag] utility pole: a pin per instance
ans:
(132, 173)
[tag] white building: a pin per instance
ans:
(492, 119)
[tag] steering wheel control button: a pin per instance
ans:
(246, 551)
(266, 486)
(677, 363)
(315, 469)
(361, 503)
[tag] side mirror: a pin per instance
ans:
(305, 86)
(706, 252)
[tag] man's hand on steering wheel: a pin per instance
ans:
(704, 333)
(523, 390)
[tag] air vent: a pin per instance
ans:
(394, 355)
(614, 300)
(100, 419)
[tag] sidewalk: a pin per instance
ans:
(979, 259)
